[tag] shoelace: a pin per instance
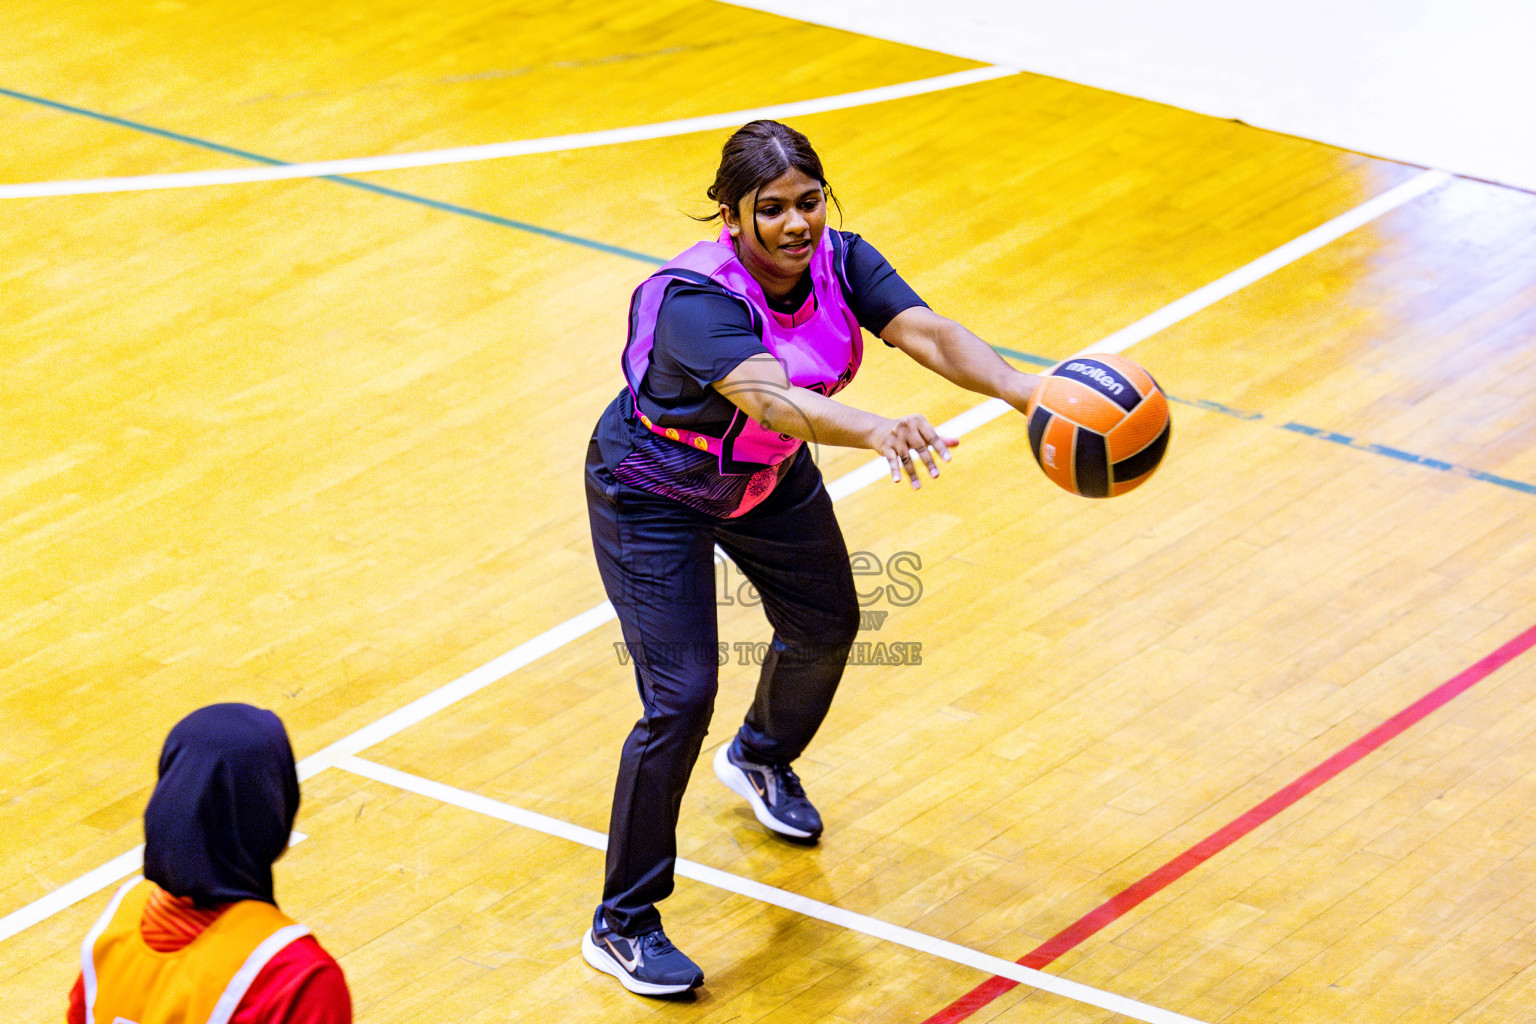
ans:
(789, 782)
(656, 943)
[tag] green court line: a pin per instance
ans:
(436, 204)
(1320, 434)
(613, 250)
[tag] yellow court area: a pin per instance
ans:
(316, 445)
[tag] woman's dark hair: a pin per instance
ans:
(757, 153)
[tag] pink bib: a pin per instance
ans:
(820, 346)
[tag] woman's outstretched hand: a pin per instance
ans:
(901, 439)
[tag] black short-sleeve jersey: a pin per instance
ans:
(702, 335)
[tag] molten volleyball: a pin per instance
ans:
(1098, 425)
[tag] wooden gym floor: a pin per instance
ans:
(316, 447)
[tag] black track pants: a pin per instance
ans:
(656, 557)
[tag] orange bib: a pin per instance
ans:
(127, 982)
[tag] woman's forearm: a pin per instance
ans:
(760, 388)
(964, 359)
(960, 357)
(813, 417)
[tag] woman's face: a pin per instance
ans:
(790, 214)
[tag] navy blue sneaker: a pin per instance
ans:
(648, 964)
(773, 790)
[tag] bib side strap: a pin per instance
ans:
(246, 975)
(88, 947)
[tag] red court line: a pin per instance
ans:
(1123, 902)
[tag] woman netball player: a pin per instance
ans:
(200, 938)
(735, 351)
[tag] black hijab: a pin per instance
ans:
(224, 806)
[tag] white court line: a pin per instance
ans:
(1271, 261)
(871, 472)
(398, 721)
(878, 469)
(794, 902)
(1189, 305)
(87, 885)
(70, 893)
(497, 150)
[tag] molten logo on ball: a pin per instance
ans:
(1098, 425)
(1098, 376)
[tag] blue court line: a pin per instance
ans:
(1225, 410)
(1334, 437)
(1418, 460)
(436, 204)
(1024, 357)
(613, 250)
(1319, 433)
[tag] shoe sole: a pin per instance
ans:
(735, 780)
(597, 957)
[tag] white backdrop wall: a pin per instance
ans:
(1448, 84)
